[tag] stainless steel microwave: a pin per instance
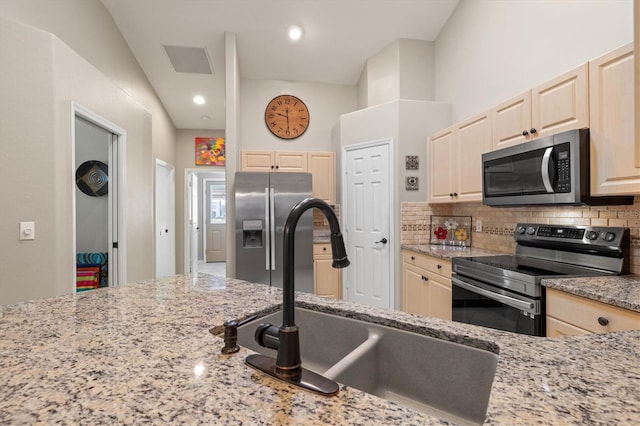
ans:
(548, 170)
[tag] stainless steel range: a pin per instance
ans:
(504, 291)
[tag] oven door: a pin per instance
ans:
(477, 303)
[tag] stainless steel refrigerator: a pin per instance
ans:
(263, 202)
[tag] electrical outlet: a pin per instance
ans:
(478, 226)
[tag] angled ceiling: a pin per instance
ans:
(339, 36)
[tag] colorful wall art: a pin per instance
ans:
(210, 152)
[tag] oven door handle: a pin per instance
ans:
(511, 301)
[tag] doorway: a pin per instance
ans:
(366, 199)
(205, 221)
(98, 205)
(215, 225)
(165, 219)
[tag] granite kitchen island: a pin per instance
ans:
(143, 352)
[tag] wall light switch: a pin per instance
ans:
(478, 226)
(27, 230)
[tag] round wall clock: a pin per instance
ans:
(287, 117)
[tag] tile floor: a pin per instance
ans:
(218, 269)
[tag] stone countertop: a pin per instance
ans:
(321, 236)
(143, 353)
(447, 252)
(619, 290)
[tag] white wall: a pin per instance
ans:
(39, 77)
(408, 123)
(88, 28)
(402, 70)
(491, 50)
(326, 102)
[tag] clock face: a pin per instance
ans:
(287, 117)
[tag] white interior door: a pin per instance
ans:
(164, 219)
(193, 222)
(215, 221)
(367, 210)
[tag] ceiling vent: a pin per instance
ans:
(189, 59)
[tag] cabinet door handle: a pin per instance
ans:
(272, 166)
(455, 194)
(424, 278)
(413, 258)
(603, 321)
(324, 249)
(533, 131)
(439, 266)
(277, 167)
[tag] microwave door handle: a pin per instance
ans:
(544, 169)
(515, 303)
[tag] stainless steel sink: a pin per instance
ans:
(438, 377)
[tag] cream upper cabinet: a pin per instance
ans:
(274, 161)
(612, 132)
(473, 138)
(636, 60)
(455, 157)
(561, 104)
(511, 121)
(555, 106)
(322, 167)
(441, 160)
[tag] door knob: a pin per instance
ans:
(383, 241)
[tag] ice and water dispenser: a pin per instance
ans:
(252, 233)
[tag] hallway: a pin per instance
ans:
(219, 269)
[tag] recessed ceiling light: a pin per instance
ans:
(295, 32)
(198, 100)
(205, 117)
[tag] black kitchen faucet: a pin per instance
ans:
(285, 339)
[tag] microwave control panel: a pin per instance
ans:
(563, 169)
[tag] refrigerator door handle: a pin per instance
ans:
(272, 229)
(267, 230)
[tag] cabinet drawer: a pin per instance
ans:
(432, 264)
(557, 328)
(589, 314)
(320, 249)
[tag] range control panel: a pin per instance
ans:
(588, 235)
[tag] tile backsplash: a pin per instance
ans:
(498, 223)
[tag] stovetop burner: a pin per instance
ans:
(533, 267)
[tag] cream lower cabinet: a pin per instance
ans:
(327, 281)
(569, 315)
(612, 132)
(426, 285)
